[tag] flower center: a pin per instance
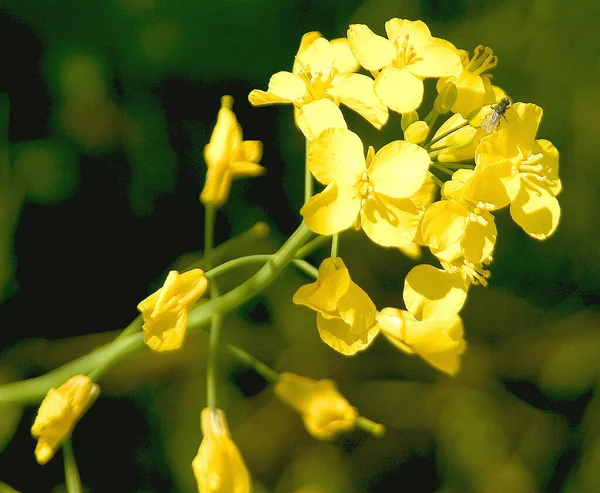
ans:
(405, 52)
(317, 82)
(483, 59)
(364, 188)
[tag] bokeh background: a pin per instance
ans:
(105, 109)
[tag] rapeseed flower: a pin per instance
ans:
(322, 77)
(165, 312)
(439, 342)
(373, 193)
(535, 183)
(473, 86)
(345, 313)
(228, 156)
(404, 59)
(219, 466)
(59, 412)
(325, 412)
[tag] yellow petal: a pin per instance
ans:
(399, 89)
(216, 187)
(390, 222)
(550, 163)
(523, 122)
(373, 52)
(319, 115)
(479, 239)
(337, 154)
(251, 150)
(536, 210)
(324, 294)
(331, 211)
(497, 184)
(356, 309)
(345, 61)
(242, 169)
(417, 31)
(443, 226)
(357, 92)
(284, 87)
(337, 334)
(318, 57)
(305, 42)
(433, 294)
(435, 61)
(219, 466)
(399, 169)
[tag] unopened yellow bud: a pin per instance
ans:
(408, 119)
(417, 132)
(219, 466)
(445, 98)
(165, 312)
(464, 137)
(59, 412)
(325, 412)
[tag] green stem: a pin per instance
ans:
(32, 391)
(72, 479)
(435, 179)
(265, 371)
(217, 320)
(311, 246)
(445, 134)
(308, 179)
(334, 245)
(369, 426)
(442, 168)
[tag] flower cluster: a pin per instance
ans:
(437, 186)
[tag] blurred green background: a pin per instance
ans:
(105, 111)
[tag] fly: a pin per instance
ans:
(491, 121)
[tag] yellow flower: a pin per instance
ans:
(345, 313)
(409, 55)
(373, 193)
(165, 312)
(228, 156)
(533, 206)
(434, 294)
(474, 87)
(460, 143)
(439, 342)
(320, 80)
(219, 466)
(325, 412)
(59, 412)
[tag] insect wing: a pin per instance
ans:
(491, 121)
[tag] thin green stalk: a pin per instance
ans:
(334, 245)
(72, 479)
(435, 179)
(32, 391)
(265, 371)
(311, 246)
(250, 288)
(217, 320)
(442, 168)
(369, 426)
(308, 179)
(445, 134)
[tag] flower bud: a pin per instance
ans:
(417, 132)
(445, 98)
(219, 466)
(325, 412)
(408, 119)
(59, 412)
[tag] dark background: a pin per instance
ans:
(105, 111)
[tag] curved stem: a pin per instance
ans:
(335, 241)
(445, 134)
(265, 371)
(72, 479)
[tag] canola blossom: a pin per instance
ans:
(59, 412)
(435, 184)
(165, 312)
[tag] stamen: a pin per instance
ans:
(483, 59)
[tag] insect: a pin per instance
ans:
(491, 121)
